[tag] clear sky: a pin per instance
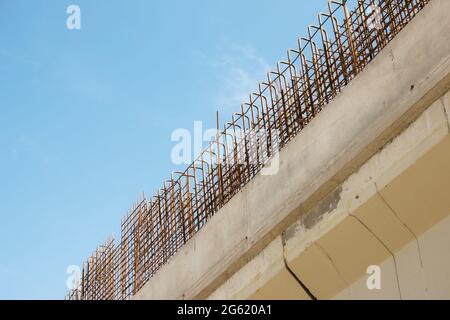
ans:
(86, 115)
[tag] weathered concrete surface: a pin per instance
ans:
(264, 275)
(406, 78)
(330, 248)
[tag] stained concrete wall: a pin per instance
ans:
(394, 212)
(398, 85)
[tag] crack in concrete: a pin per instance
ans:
(390, 252)
(334, 266)
(400, 220)
(442, 99)
(304, 287)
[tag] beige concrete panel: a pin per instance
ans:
(254, 275)
(446, 101)
(380, 219)
(389, 284)
(430, 128)
(410, 272)
(420, 137)
(435, 251)
(281, 287)
(317, 273)
(345, 294)
(353, 248)
(420, 196)
(389, 288)
(306, 231)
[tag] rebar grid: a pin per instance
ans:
(333, 53)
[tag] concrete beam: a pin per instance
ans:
(375, 107)
(264, 277)
(356, 226)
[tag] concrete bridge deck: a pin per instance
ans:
(367, 182)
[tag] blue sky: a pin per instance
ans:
(86, 115)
